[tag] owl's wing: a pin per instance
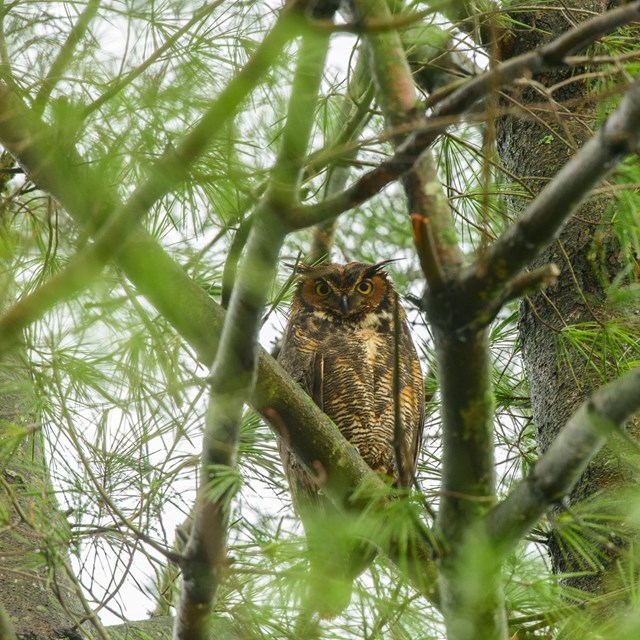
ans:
(417, 441)
(301, 360)
(316, 380)
(335, 558)
(415, 408)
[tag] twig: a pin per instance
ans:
(234, 253)
(199, 15)
(65, 55)
(17, 125)
(531, 281)
(426, 250)
(482, 286)
(90, 614)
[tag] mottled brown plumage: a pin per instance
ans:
(339, 346)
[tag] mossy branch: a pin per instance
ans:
(559, 469)
(196, 316)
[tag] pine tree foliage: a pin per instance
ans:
(120, 396)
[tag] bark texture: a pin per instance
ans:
(30, 571)
(35, 594)
(535, 145)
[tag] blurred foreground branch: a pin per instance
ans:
(111, 221)
(233, 372)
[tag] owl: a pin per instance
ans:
(341, 346)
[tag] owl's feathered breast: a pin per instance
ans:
(347, 367)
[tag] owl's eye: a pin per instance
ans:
(322, 288)
(365, 287)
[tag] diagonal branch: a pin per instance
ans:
(195, 316)
(198, 319)
(198, 16)
(485, 286)
(24, 134)
(558, 470)
(449, 110)
(65, 55)
(232, 377)
(397, 96)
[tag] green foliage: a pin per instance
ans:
(121, 397)
(224, 483)
(604, 349)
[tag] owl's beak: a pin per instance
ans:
(344, 304)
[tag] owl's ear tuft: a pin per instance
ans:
(378, 266)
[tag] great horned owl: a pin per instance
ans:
(340, 346)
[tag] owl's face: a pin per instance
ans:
(346, 291)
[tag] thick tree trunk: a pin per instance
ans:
(37, 597)
(535, 145)
(30, 574)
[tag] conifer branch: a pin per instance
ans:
(233, 373)
(197, 317)
(120, 83)
(65, 55)
(453, 106)
(34, 146)
(485, 286)
(558, 470)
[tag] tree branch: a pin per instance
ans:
(449, 110)
(558, 470)
(196, 317)
(485, 286)
(232, 377)
(118, 85)
(24, 134)
(65, 55)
